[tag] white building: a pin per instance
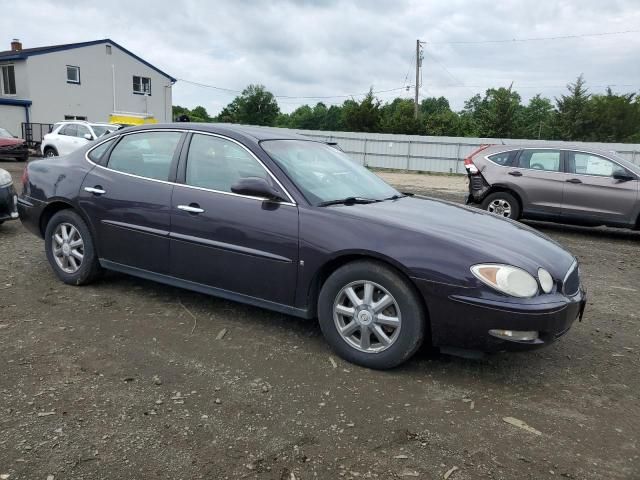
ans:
(98, 81)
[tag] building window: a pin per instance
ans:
(73, 74)
(108, 49)
(75, 117)
(8, 79)
(142, 85)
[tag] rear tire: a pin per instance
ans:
(70, 249)
(357, 324)
(502, 204)
(50, 152)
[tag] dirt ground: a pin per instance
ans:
(128, 379)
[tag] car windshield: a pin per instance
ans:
(101, 130)
(5, 133)
(325, 174)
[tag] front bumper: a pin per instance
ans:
(463, 322)
(8, 203)
(18, 151)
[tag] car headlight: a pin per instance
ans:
(507, 279)
(5, 178)
(546, 280)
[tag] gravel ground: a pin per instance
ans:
(131, 379)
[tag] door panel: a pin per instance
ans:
(129, 201)
(232, 242)
(238, 244)
(591, 192)
(130, 220)
(541, 180)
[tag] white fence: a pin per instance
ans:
(436, 154)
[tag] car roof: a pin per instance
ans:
(253, 132)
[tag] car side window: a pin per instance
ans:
(96, 154)
(503, 158)
(589, 164)
(547, 160)
(82, 131)
(69, 130)
(217, 164)
(147, 154)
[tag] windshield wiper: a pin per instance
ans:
(395, 197)
(348, 201)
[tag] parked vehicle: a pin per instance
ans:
(66, 137)
(12, 147)
(290, 224)
(8, 198)
(563, 184)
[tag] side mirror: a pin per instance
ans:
(256, 187)
(88, 136)
(623, 175)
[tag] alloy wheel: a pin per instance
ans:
(367, 316)
(500, 207)
(68, 248)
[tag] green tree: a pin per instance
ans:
(538, 119)
(613, 118)
(363, 116)
(254, 106)
(572, 117)
(199, 114)
(398, 117)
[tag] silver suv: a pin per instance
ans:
(564, 184)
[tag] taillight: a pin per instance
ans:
(25, 177)
(468, 162)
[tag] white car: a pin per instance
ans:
(65, 137)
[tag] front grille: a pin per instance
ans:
(571, 283)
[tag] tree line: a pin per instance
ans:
(576, 115)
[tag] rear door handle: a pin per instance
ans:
(574, 180)
(193, 208)
(97, 190)
(516, 173)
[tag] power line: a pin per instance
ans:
(293, 97)
(534, 39)
(516, 86)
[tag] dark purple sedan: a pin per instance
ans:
(279, 221)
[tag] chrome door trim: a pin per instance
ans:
(292, 202)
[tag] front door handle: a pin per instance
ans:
(574, 180)
(97, 190)
(516, 173)
(193, 208)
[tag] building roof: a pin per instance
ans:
(28, 52)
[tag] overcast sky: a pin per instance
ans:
(331, 48)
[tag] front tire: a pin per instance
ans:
(371, 315)
(70, 249)
(502, 204)
(50, 152)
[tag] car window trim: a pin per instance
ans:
(568, 152)
(185, 150)
(181, 180)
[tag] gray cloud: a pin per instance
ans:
(334, 47)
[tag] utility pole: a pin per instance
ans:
(418, 66)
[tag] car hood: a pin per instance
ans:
(6, 142)
(432, 228)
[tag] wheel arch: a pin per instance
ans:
(343, 258)
(56, 206)
(507, 189)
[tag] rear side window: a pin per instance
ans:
(217, 164)
(503, 158)
(96, 154)
(147, 154)
(70, 130)
(82, 130)
(548, 160)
